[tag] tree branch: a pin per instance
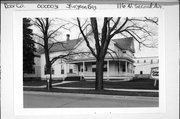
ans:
(56, 30)
(115, 24)
(113, 52)
(118, 30)
(38, 43)
(70, 53)
(41, 24)
(85, 38)
(38, 36)
(96, 33)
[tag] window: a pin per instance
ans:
(52, 70)
(151, 61)
(123, 66)
(86, 68)
(124, 51)
(46, 71)
(79, 67)
(144, 61)
(141, 72)
(71, 67)
(70, 70)
(62, 69)
(94, 67)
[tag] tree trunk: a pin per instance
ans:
(99, 74)
(49, 71)
(50, 79)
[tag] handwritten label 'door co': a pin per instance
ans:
(8, 6)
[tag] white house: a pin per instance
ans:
(143, 65)
(119, 67)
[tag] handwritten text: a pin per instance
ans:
(7, 5)
(138, 6)
(79, 6)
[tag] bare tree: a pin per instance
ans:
(48, 35)
(138, 28)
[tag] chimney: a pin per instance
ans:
(67, 37)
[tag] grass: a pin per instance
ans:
(38, 82)
(146, 84)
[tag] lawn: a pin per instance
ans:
(39, 82)
(146, 84)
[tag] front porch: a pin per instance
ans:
(113, 69)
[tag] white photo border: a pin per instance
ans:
(18, 68)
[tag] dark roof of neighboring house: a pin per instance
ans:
(125, 43)
(62, 46)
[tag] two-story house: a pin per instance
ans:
(120, 66)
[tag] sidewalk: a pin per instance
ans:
(139, 98)
(43, 86)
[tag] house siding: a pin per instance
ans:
(143, 65)
(112, 73)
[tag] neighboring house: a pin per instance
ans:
(143, 65)
(36, 73)
(119, 67)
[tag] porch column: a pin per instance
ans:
(83, 68)
(119, 66)
(107, 69)
(67, 68)
(131, 68)
(126, 67)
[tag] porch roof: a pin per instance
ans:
(107, 58)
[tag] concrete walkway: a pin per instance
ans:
(43, 86)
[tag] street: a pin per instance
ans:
(63, 100)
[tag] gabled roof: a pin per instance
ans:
(125, 43)
(62, 46)
(122, 43)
